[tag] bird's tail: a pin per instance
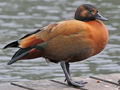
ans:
(26, 53)
(13, 44)
(25, 42)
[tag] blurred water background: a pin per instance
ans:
(19, 17)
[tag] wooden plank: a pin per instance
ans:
(6, 86)
(59, 84)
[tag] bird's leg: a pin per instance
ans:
(68, 78)
(119, 82)
(67, 68)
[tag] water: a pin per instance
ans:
(19, 17)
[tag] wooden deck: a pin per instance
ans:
(93, 84)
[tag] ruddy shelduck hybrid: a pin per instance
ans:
(66, 41)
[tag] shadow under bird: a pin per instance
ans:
(65, 41)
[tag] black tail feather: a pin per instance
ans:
(20, 51)
(17, 58)
(13, 44)
(16, 44)
(19, 54)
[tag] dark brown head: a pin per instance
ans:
(87, 12)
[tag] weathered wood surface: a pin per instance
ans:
(93, 84)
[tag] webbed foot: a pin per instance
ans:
(77, 83)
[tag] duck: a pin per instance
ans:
(65, 41)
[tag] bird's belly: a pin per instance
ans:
(65, 49)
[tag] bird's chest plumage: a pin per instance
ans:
(98, 35)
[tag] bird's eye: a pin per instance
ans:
(91, 11)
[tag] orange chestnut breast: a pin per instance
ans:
(98, 34)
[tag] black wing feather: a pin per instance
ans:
(16, 44)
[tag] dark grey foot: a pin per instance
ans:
(77, 83)
(119, 82)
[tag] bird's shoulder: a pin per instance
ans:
(65, 28)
